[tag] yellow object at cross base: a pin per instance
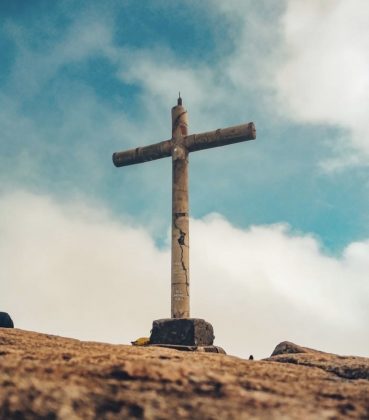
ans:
(142, 341)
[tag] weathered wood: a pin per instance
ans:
(193, 143)
(143, 154)
(220, 137)
(180, 274)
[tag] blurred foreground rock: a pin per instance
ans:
(49, 377)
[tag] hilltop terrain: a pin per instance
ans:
(50, 377)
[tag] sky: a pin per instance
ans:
(279, 230)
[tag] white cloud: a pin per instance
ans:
(74, 270)
(324, 77)
(71, 270)
(310, 61)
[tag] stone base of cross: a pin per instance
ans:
(180, 329)
(182, 332)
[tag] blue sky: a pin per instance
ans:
(80, 80)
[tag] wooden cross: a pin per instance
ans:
(179, 146)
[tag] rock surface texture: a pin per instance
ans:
(49, 377)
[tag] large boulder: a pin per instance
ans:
(5, 320)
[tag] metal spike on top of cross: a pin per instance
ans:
(179, 147)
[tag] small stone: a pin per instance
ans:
(5, 320)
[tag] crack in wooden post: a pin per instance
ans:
(181, 241)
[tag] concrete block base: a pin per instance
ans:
(182, 332)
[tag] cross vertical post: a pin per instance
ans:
(180, 274)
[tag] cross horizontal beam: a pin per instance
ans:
(192, 143)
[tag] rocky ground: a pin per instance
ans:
(49, 377)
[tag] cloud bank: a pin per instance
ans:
(72, 269)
